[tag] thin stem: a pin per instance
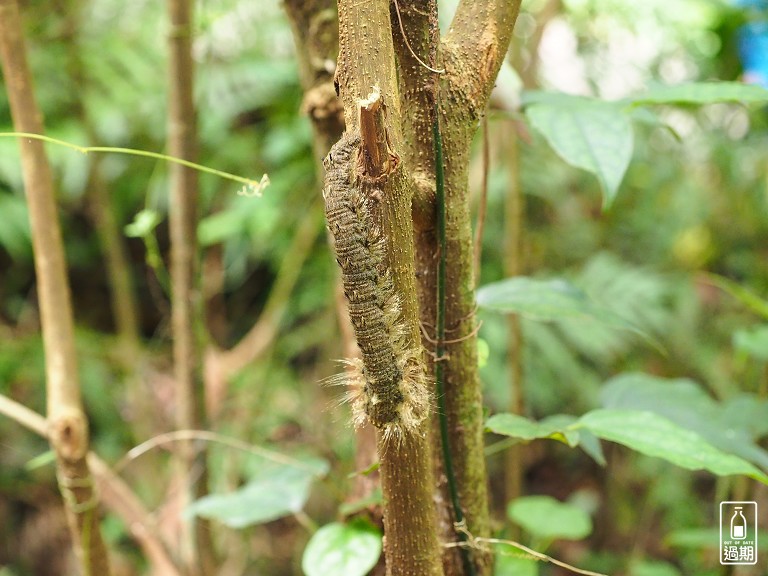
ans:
(251, 186)
(469, 566)
(478, 543)
(186, 435)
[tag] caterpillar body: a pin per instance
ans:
(391, 390)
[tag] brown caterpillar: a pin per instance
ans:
(392, 390)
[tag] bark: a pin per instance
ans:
(471, 53)
(68, 427)
(367, 60)
(316, 34)
(196, 549)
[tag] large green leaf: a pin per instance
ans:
(348, 549)
(558, 427)
(590, 134)
(654, 435)
(702, 93)
(547, 518)
(685, 403)
(516, 426)
(547, 300)
(274, 492)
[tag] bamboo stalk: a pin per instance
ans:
(67, 424)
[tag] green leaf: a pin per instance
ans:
(590, 134)
(654, 435)
(221, 226)
(143, 224)
(509, 564)
(752, 342)
(274, 492)
(520, 427)
(348, 549)
(686, 404)
(375, 498)
(547, 518)
(558, 427)
(547, 300)
(703, 93)
(48, 457)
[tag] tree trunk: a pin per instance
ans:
(366, 64)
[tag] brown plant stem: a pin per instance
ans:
(195, 545)
(115, 495)
(367, 60)
(68, 426)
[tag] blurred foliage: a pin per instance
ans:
(692, 206)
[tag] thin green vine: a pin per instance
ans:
(250, 187)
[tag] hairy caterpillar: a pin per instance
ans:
(392, 390)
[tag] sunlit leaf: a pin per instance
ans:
(143, 224)
(348, 549)
(547, 518)
(594, 135)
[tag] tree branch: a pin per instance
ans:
(475, 47)
(366, 64)
(115, 494)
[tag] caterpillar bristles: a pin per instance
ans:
(387, 386)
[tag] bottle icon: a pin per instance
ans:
(738, 525)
